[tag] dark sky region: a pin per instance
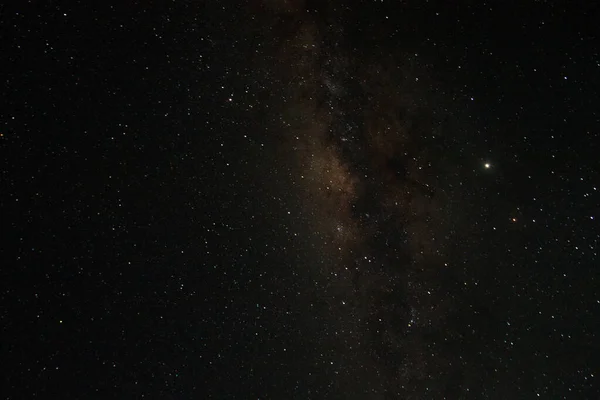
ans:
(271, 199)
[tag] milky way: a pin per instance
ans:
(361, 135)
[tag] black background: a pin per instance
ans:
(157, 242)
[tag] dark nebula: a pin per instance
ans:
(360, 132)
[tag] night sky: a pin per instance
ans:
(300, 199)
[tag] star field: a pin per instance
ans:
(281, 199)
